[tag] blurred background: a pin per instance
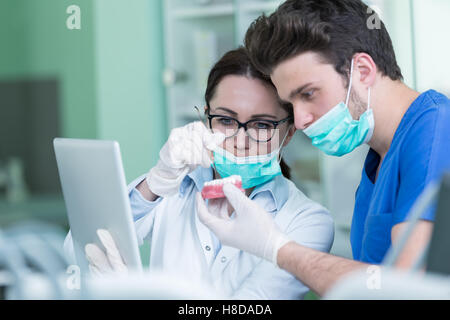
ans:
(134, 69)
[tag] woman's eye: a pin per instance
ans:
(262, 125)
(225, 121)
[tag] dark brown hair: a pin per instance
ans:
(237, 62)
(335, 29)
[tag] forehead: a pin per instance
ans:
(293, 73)
(245, 95)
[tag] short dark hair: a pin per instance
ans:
(237, 62)
(335, 29)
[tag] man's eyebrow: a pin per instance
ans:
(295, 92)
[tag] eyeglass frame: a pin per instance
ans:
(244, 125)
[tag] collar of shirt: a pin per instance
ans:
(273, 194)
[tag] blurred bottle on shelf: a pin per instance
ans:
(12, 180)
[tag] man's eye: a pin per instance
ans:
(308, 94)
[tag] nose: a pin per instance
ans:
(303, 118)
(241, 142)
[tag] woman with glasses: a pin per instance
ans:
(245, 130)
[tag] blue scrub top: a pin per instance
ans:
(419, 154)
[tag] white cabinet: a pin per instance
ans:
(197, 34)
(431, 45)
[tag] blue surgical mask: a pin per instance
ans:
(337, 133)
(254, 170)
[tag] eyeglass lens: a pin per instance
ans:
(258, 130)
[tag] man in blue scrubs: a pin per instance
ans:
(338, 70)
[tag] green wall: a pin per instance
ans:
(37, 44)
(131, 95)
(109, 71)
(398, 20)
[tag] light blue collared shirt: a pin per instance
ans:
(271, 196)
(180, 243)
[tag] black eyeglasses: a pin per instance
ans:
(257, 130)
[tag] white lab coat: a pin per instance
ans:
(182, 245)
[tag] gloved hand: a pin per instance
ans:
(252, 229)
(187, 148)
(101, 263)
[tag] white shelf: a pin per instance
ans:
(257, 7)
(226, 9)
(202, 33)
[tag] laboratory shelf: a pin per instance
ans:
(207, 11)
(224, 9)
(258, 7)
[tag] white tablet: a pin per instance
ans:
(96, 197)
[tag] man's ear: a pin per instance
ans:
(366, 68)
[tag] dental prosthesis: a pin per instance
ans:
(214, 189)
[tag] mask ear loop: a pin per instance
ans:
(350, 88)
(350, 84)
(281, 149)
(198, 113)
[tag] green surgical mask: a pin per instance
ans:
(337, 133)
(254, 170)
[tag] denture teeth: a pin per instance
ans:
(231, 179)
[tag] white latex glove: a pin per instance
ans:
(101, 263)
(187, 148)
(252, 229)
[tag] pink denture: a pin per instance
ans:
(214, 189)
